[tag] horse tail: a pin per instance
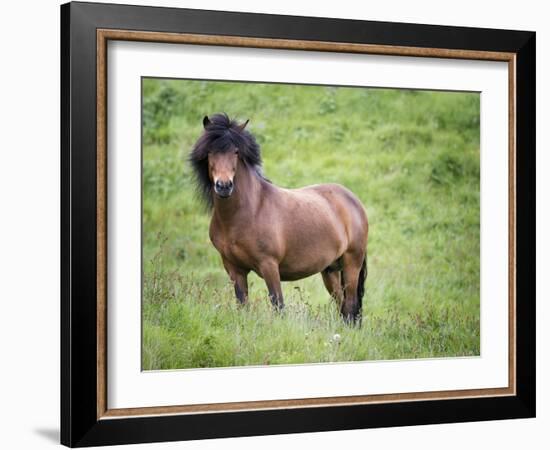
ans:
(361, 284)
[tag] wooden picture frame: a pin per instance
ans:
(86, 418)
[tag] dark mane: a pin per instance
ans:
(221, 134)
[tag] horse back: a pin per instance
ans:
(322, 222)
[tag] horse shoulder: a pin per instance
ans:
(216, 236)
(241, 244)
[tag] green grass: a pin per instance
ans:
(411, 157)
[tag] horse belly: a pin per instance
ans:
(304, 262)
(294, 276)
(316, 239)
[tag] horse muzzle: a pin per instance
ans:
(223, 188)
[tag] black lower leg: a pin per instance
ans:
(240, 294)
(351, 310)
(276, 300)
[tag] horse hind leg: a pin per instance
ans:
(333, 283)
(353, 278)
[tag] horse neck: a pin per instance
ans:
(245, 199)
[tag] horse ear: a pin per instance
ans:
(243, 126)
(206, 121)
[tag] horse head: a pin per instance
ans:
(216, 155)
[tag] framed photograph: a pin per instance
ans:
(277, 224)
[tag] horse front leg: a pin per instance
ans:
(239, 278)
(270, 273)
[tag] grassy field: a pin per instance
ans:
(411, 157)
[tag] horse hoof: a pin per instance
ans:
(353, 320)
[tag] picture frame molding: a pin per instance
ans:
(85, 30)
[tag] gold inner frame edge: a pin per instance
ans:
(103, 36)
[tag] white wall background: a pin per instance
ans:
(29, 229)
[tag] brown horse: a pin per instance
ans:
(281, 234)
